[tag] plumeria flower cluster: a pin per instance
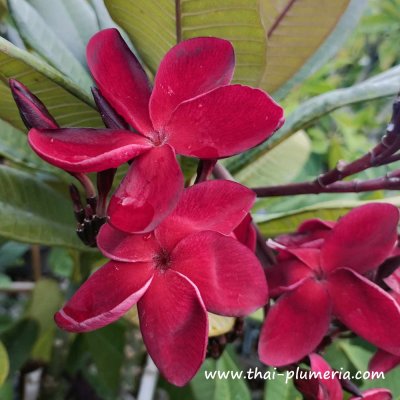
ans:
(176, 253)
(326, 273)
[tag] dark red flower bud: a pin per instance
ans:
(33, 112)
(109, 116)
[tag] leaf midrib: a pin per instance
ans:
(280, 17)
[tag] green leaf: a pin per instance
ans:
(32, 212)
(73, 21)
(278, 389)
(106, 347)
(272, 38)
(219, 389)
(280, 165)
(311, 110)
(46, 300)
(42, 39)
(279, 223)
(329, 48)
(4, 364)
(291, 38)
(61, 262)
(10, 252)
(65, 100)
(19, 340)
(14, 147)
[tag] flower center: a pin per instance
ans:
(158, 138)
(162, 260)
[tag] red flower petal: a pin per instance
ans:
(375, 394)
(295, 325)
(382, 361)
(121, 246)
(108, 294)
(366, 309)
(87, 150)
(148, 193)
(188, 70)
(362, 239)
(174, 325)
(120, 77)
(393, 281)
(286, 275)
(228, 275)
(223, 122)
(331, 386)
(246, 233)
(218, 205)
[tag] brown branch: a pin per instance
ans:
(330, 182)
(389, 182)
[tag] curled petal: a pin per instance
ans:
(331, 386)
(223, 122)
(366, 309)
(362, 239)
(108, 294)
(120, 78)
(295, 324)
(382, 361)
(148, 193)
(174, 325)
(228, 275)
(87, 150)
(121, 246)
(286, 275)
(246, 233)
(218, 205)
(209, 62)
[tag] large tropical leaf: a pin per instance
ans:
(66, 101)
(280, 165)
(41, 38)
(73, 21)
(32, 212)
(14, 147)
(295, 29)
(331, 46)
(272, 38)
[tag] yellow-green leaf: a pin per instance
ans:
(282, 164)
(65, 100)
(4, 364)
(273, 39)
(295, 29)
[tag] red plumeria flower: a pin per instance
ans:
(329, 388)
(192, 110)
(318, 283)
(187, 266)
(383, 361)
(320, 387)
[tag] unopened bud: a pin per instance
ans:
(33, 112)
(109, 116)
